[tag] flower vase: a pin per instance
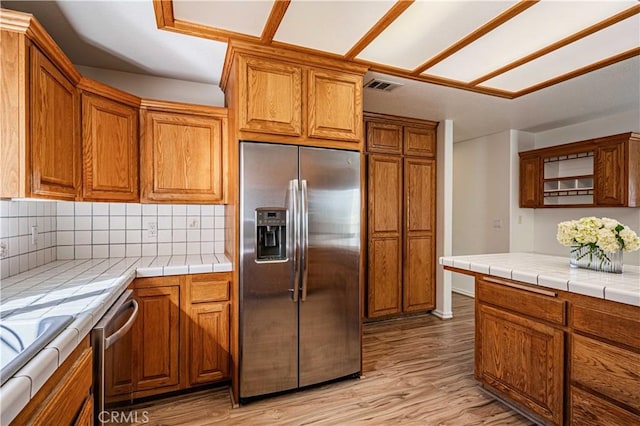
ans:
(588, 257)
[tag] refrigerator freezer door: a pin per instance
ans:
(268, 311)
(330, 310)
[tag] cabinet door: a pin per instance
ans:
(182, 157)
(385, 236)
(385, 138)
(419, 226)
(385, 277)
(530, 182)
(55, 143)
(270, 96)
(385, 195)
(156, 335)
(209, 342)
(419, 274)
(523, 359)
(420, 194)
(610, 171)
(110, 150)
(335, 106)
(420, 141)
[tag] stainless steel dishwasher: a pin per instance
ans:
(112, 348)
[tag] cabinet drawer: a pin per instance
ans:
(587, 409)
(533, 302)
(607, 325)
(209, 291)
(607, 369)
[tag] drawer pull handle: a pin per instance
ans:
(522, 287)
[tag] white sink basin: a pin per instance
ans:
(21, 339)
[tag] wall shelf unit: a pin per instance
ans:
(591, 173)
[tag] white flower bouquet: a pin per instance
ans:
(597, 241)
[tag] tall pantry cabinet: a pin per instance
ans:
(401, 193)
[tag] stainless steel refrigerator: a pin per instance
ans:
(299, 267)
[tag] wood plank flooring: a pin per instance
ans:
(417, 371)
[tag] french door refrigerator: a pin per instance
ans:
(299, 267)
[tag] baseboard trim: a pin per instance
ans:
(442, 315)
(464, 292)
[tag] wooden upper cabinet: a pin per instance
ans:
(183, 156)
(335, 105)
(388, 134)
(529, 182)
(385, 138)
(272, 96)
(110, 149)
(55, 142)
(420, 141)
(291, 97)
(601, 172)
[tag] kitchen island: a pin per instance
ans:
(84, 289)
(561, 345)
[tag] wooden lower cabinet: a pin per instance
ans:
(181, 337)
(587, 409)
(562, 357)
(209, 327)
(157, 337)
(604, 363)
(66, 398)
(520, 352)
(209, 337)
(85, 418)
(522, 359)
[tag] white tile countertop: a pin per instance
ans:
(82, 288)
(554, 272)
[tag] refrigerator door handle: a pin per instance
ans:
(294, 239)
(304, 214)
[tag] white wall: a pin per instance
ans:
(522, 221)
(546, 220)
(481, 199)
(149, 87)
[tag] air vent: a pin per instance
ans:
(385, 86)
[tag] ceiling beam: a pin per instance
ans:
(557, 45)
(382, 24)
(163, 10)
(505, 16)
(580, 71)
(275, 18)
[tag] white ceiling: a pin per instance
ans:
(123, 36)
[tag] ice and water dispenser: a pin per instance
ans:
(271, 234)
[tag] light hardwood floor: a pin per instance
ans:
(417, 371)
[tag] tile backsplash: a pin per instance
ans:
(99, 230)
(27, 235)
(82, 230)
